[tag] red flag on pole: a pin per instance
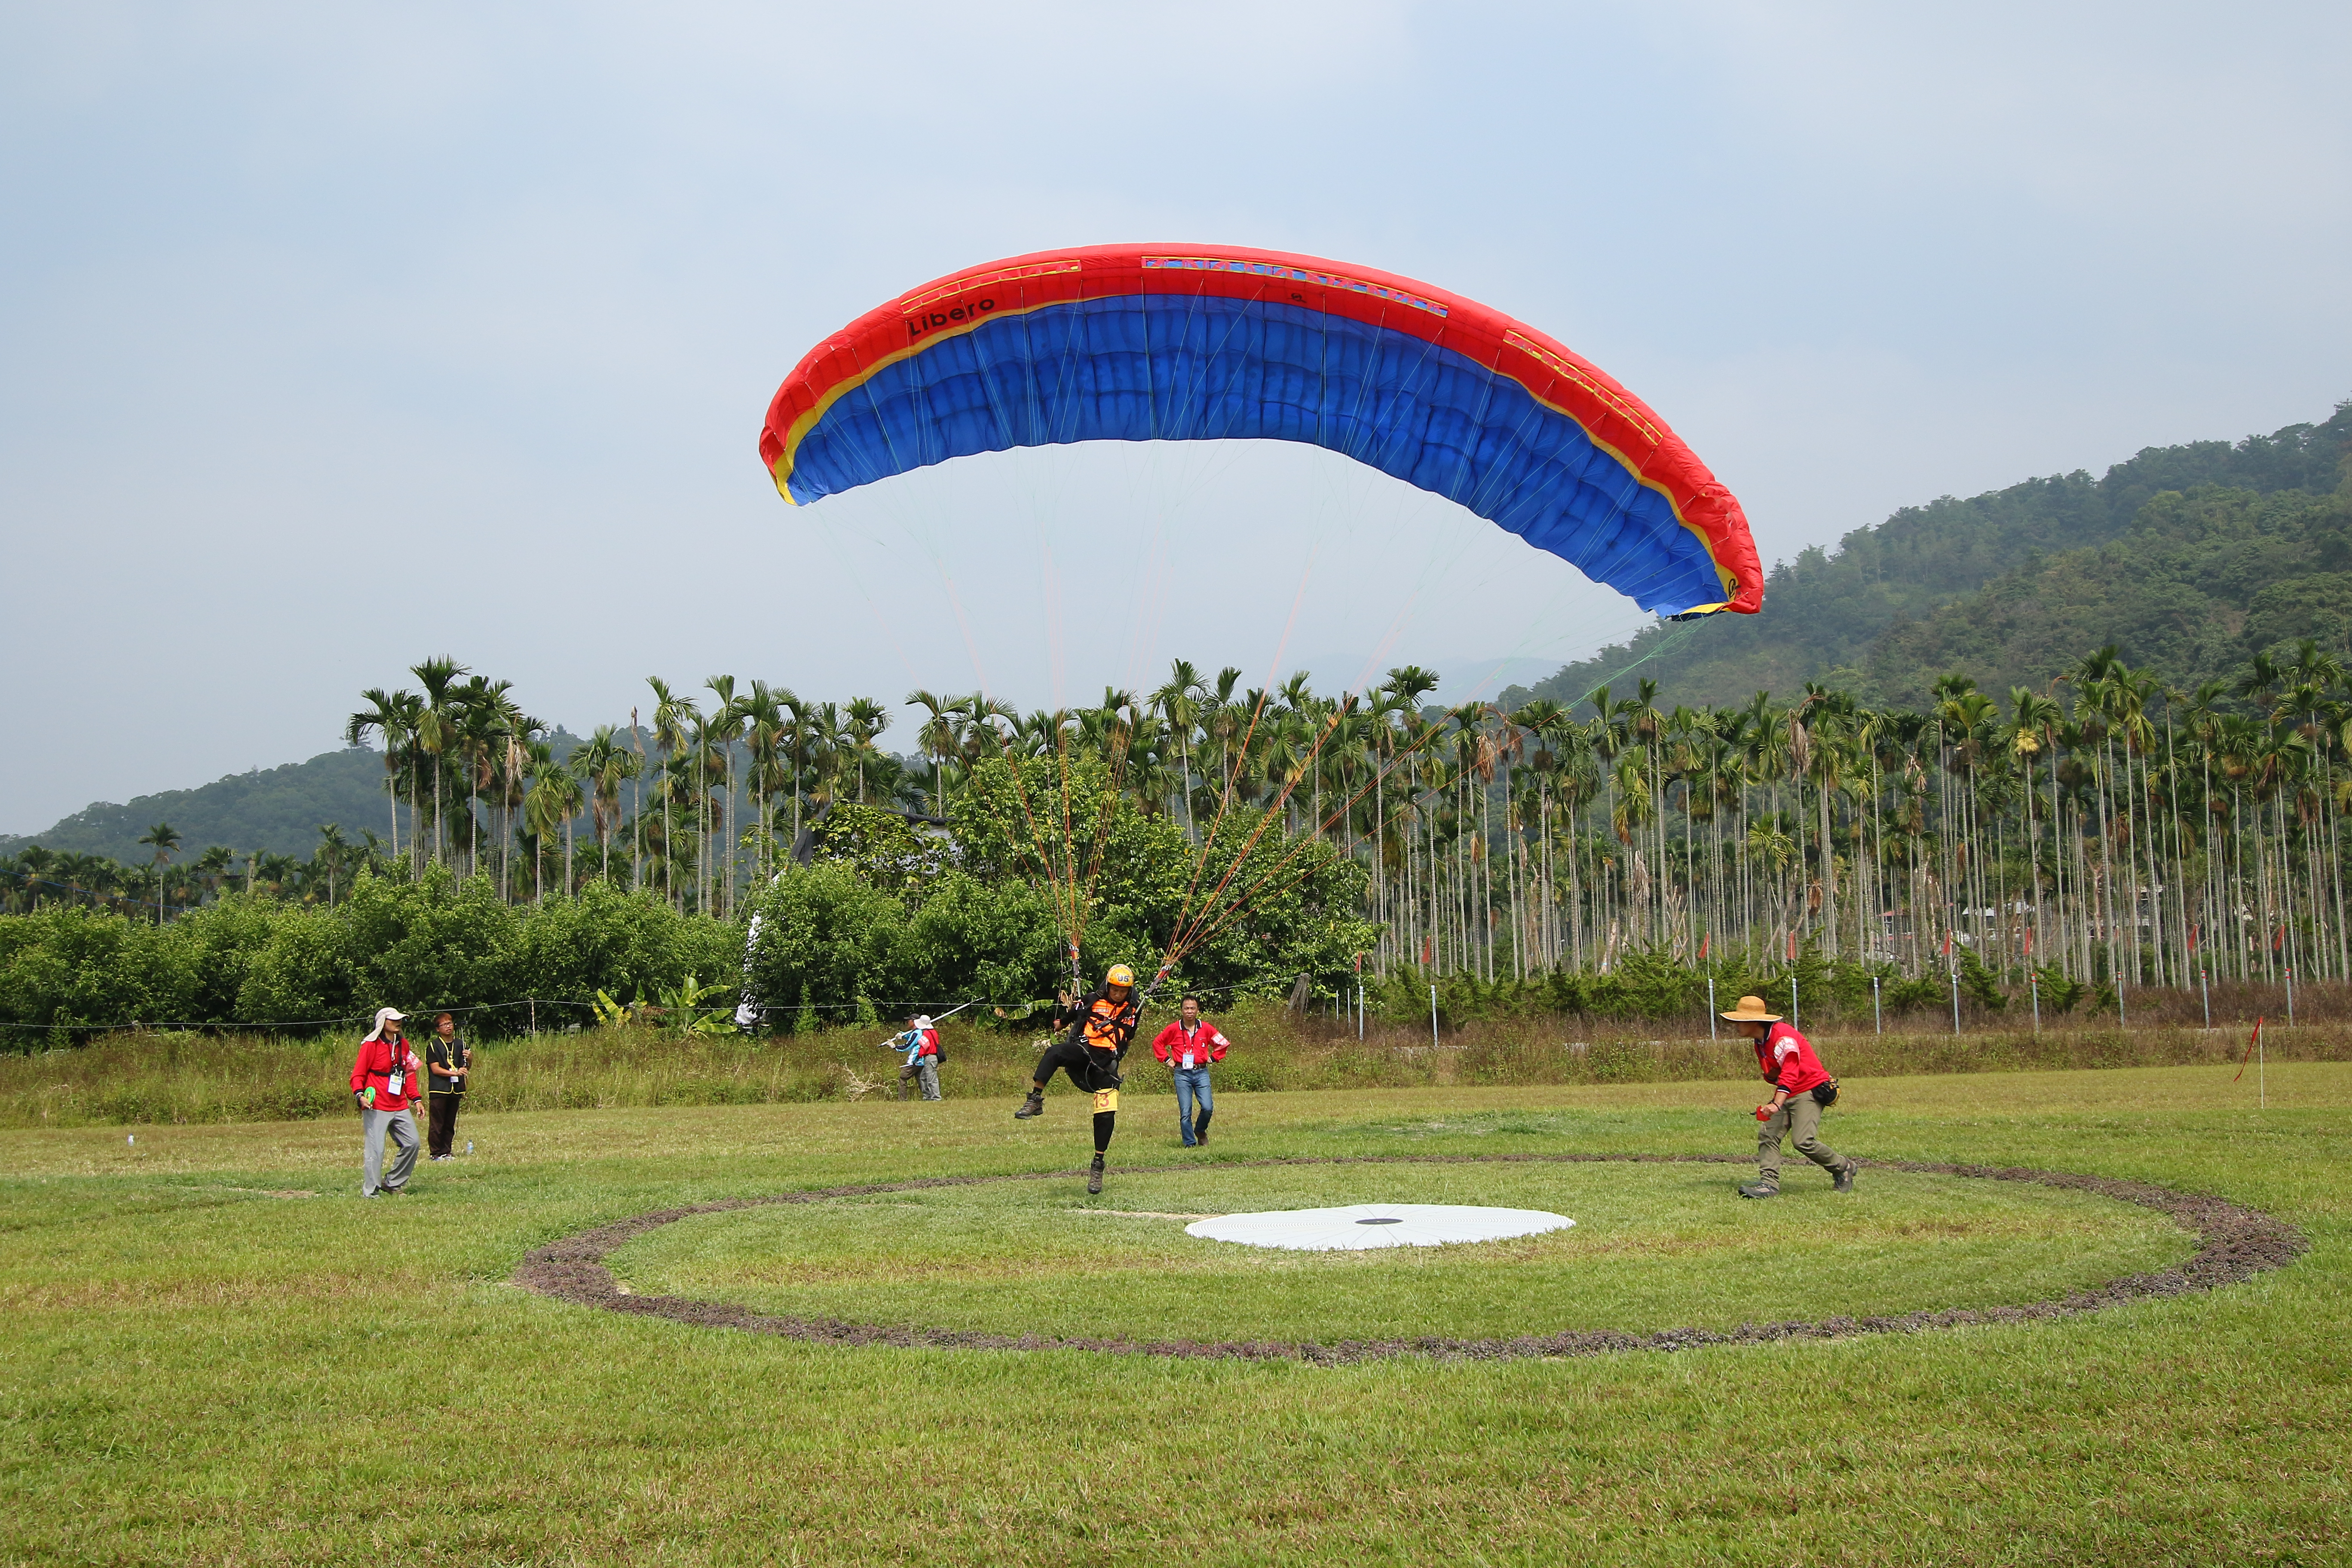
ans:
(2251, 1044)
(2028, 941)
(2192, 939)
(1424, 950)
(1702, 949)
(2278, 939)
(1947, 944)
(1792, 947)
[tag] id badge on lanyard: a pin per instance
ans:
(1188, 1061)
(396, 1077)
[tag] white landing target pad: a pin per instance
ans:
(1362, 1225)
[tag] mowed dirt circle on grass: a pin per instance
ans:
(2235, 1243)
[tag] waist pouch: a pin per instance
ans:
(1825, 1094)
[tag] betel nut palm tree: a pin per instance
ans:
(390, 714)
(437, 731)
(861, 723)
(603, 763)
(163, 838)
(549, 806)
(936, 737)
(729, 720)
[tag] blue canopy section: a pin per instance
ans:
(1146, 367)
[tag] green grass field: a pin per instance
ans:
(1654, 1246)
(216, 1353)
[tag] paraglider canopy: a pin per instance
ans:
(1223, 342)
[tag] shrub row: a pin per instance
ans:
(435, 943)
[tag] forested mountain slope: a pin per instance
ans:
(1895, 605)
(2200, 585)
(278, 809)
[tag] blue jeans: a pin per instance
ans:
(1193, 1084)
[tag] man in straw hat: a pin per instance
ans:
(385, 1083)
(1801, 1087)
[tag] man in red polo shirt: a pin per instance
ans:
(384, 1083)
(1800, 1087)
(1188, 1047)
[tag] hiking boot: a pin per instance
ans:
(1033, 1106)
(1094, 1177)
(1844, 1183)
(1761, 1190)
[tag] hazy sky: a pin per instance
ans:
(331, 339)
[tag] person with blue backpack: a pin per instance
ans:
(921, 1041)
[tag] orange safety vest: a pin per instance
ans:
(1108, 1026)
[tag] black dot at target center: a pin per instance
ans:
(1380, 1222)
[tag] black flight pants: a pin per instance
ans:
(1088, 1070)
(441, 1123)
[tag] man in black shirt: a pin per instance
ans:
(447, 1062)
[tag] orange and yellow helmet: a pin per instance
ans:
(1121, 974)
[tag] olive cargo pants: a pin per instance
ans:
(1800, 1117)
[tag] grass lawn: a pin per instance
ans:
(1654, 1246)
(216, 1353)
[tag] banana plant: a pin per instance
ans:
(691, 1007)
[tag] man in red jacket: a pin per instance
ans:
(384, 1083)
(1188, 1045)
(1801, 1087)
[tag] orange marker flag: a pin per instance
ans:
(2250, 1049)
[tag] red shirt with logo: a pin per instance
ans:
(1786, 1059)
(378, 1059)
(1201, 1039)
